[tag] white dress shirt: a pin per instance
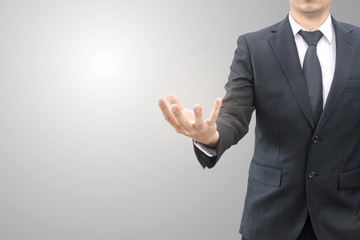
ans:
(326, 51)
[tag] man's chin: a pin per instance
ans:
(311, 10)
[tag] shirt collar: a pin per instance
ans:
(326, 28)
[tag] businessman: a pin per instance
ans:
(302, 77)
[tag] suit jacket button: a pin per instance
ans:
(311, 174)
(316, 139)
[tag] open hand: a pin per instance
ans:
(191, 123)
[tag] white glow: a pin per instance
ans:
(102, 63)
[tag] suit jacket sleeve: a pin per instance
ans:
(238, 105)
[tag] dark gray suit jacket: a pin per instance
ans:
(297, 168)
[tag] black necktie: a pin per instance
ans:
(312, 73)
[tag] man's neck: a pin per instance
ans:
(309, 22)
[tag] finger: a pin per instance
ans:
(199, 120)
(215, 112)
(167, 114)
(180, 118)
(174, 100)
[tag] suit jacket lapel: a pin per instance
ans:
(284, 47)
(344, 59)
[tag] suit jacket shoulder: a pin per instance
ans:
(352, 29)
(260, 35)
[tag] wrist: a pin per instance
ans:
(213, 141)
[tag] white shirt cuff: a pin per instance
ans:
(210, 152)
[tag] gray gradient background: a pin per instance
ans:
(84, 151)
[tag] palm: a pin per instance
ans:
(189, 115)
(191, 123)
